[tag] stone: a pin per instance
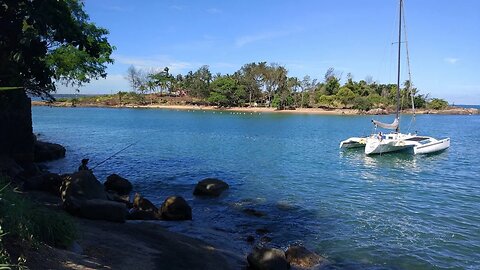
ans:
(101, 209)
(45, 151)
(135, 214)
(52, 183)
(253, 212)
(267, 259)
(176, 208)
(83, 185)
(302, 257)
(210, 187)
(250, 239)
(140, 203)
(118, 184)
(113, 196)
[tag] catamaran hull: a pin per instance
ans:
(353, 142)
(380, 147)
(432, 147)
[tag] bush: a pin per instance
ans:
(362, 103)
(31, 224)
(437, 104)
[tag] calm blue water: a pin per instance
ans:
(383, 212)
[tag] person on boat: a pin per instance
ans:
(380, 136)
(83, 166)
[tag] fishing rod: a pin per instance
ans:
(123, 149)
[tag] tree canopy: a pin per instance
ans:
(262, 84)
(48, 41)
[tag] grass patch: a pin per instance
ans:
(29, 223)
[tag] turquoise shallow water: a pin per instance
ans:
(383, 212)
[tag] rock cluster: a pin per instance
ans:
(263, 258)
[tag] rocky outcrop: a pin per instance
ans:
(141, 203)
(267, 259)
(83, 195)
(118, 184)
(377, 111)
(143, 209)
(301, 257)
(103, 210)
(16, 137)
(45, 151)
(50, 182)
(210, 187)
(175, 208)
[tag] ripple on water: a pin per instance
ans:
(362, 212)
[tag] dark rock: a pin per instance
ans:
(253, 212)
(250, 239)
(118, 184)
(176, 208)
(135, 214)
(113, 196)
(45, 151)
(83, 195)
(262, 231)
(140, 203)
(82, 185)
(267, 258)
(52, 183)
(103, 210)
(302, 257)
(266, 239)
(210, 187)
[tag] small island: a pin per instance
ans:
(261, 87)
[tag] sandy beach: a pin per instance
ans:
(260, 110)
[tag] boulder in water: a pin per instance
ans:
(45, 151)
(140, 203)
(210, 187)
(267, 258)
(302, 257)
(176, 208)
(118, 184)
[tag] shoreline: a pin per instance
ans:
(259, 110)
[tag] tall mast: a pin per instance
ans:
(398, 63)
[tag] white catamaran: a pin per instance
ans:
(396, 141)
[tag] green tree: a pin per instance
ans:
(227, 92)
(437, 104)
(46, 41)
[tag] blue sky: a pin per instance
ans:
(306, 36)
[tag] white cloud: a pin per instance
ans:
(112, 84)
(155, 63)
(177, 7)
(451, 60)
(214, 11)
(244, 40)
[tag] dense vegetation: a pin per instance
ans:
(262, 84)
(46, 41)
(26, 224)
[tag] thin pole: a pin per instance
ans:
(123, 149)
(398, 63)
